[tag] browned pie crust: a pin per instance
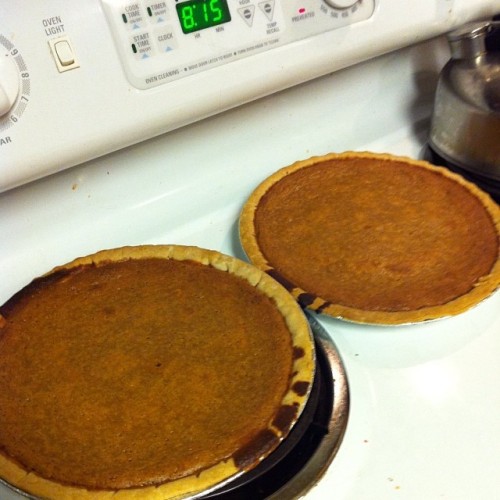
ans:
(147, 372)
(375, 238)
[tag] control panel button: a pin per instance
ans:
(157, 12)
(132, 16)
(268, 8)
(63, 53)
(166, 39)
(247, 14)
(141, 45)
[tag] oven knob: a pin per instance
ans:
(9, 84)
(341, 4)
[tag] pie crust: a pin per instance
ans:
(153, 372)
(374, 238)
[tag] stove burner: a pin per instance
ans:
(313, 442)
(487, 184)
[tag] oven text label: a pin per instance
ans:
(53, 25)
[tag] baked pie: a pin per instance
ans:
(374, 238)
(148, 372)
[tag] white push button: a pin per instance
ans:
(247, 14)
(165, 39)
(267, 7)
(64, 53)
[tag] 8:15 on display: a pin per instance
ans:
(195, 15)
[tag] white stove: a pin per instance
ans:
(424, 399)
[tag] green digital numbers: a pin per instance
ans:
(195, 15)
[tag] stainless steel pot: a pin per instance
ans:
(465, 127)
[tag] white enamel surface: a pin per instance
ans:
(71, 117)
(424, 398)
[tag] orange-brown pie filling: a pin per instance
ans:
(360, 235)
(121, 374)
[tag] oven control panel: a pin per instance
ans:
(160, 41)
(81, 79)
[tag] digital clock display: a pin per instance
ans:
(195, 15)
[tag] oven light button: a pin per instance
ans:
(63, 53)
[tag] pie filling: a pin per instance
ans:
(372, 233)
(139, 372)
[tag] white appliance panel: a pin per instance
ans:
(71, 89)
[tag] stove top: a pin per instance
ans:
(424, 399)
